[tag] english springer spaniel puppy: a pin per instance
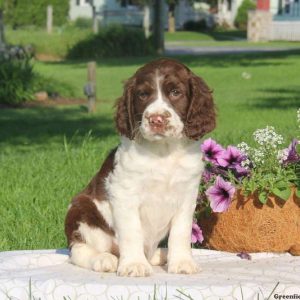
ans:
(147, 187)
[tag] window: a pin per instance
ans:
(82, 2)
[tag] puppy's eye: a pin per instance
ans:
(175, 93)
(143, 95)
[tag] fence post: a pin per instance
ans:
(90, 87)
(49, 19)
(2, 40)
(95, 20)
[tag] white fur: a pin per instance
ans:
(95, 237)
(160, 106)
(151, 191)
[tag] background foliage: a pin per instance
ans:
(112, 41)
(241, 18)
(33, 12)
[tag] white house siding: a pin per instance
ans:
(110, 11)
(76, 11)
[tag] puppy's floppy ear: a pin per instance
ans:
(124, 116)
(201, 115)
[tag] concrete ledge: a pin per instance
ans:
(47, 274)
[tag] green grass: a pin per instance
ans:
(62, 39)
(48, 154)
(56, 44)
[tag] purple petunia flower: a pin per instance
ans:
(232, 158)
(197, 235)
(211, 150)
(220, 195)
(292, 155)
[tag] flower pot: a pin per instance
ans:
(250, 226)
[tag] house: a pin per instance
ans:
(281, 10)
(124, 12)
(107, 11)
(275, 20)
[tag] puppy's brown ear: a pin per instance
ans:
(124, 116)
(201, 116)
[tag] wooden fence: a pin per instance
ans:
(285, 31)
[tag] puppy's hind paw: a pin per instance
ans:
(105, 262)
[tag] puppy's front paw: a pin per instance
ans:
(134, 269)
(184, 266)
(105, 262)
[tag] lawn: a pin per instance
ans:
(57, 45)
(49, 154)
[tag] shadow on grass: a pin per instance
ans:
(43, 126)
(215, 60)
(278, 98)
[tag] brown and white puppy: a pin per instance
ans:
(147, 187)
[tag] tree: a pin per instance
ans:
(158, 26)
(33, 12)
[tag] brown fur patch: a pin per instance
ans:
(84, 210)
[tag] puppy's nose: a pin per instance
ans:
(157, 120)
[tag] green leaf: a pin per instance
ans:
(263, 197)
(284, 194)
(297, 192)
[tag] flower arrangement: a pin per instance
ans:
(265, 170)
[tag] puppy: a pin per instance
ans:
(147, 187)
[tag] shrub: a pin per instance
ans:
(18, 80)
(112, 41)
(83, 23)
(241, 18)
(195, 25)
(16, 77)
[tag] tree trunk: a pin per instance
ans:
(146, 20)
(171, 18)
(158, 25)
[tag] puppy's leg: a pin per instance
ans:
(133, 261)
(160, 257)
(85, 256)
(179, 245)
(90, 239)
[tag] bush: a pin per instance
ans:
(83, 23)
(195, 25)
(241, 18)
(112, 41)
(16, 77)
(19, 82)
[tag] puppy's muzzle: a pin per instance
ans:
(159, 122)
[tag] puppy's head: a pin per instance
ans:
(164, 99)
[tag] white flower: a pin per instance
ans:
(258, 156)
(244, 148)
(268, 137)
(246, 163)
